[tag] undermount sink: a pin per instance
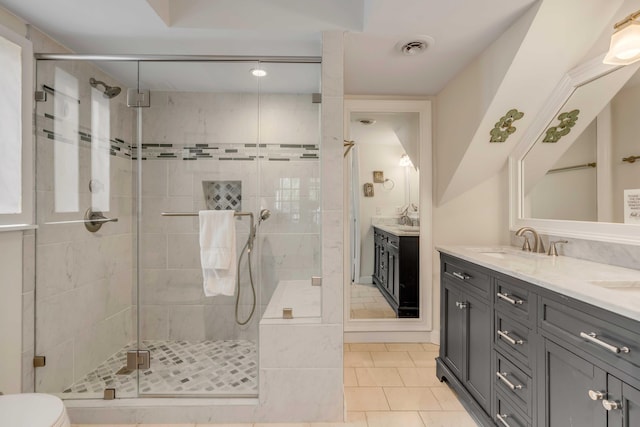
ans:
(496, 254)
(622, 285)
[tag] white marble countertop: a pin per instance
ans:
(612, 288)
(399, 230)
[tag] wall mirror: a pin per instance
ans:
(387, 146)
(577, 171)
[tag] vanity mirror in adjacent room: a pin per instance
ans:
(388, 176)
(577, 173)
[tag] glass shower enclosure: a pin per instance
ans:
(127, 153)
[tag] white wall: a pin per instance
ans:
(10, 311)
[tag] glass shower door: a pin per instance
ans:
(199, 151)
(84, 306)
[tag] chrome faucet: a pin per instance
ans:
(538, 245)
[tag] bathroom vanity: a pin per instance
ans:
(396, 267)
(533, 340)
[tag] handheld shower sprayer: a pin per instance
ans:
(248, 247)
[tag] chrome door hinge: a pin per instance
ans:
(138, 98)
(109, 394)
(316, 281)
(40, 96)
(39, 361)
(316, 98)
(138, 359)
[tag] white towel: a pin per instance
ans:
(218, 252)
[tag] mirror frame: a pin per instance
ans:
(424, 323)
(600, 231)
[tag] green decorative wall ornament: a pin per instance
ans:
(567, 121)
(504, 127)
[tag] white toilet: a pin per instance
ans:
(32, 410)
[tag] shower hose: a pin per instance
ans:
(253, 288)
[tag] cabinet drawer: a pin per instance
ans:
(603, 339)
(471, 276)
(516, 300)
(513, 382)
(514, 339)
(507, 415)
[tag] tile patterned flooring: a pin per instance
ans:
(181, 367)
(386, 385)
(367, 302)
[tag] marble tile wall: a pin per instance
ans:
(83, 303)
(279, 170)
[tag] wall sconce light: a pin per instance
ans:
(625, 42)
(405, 161)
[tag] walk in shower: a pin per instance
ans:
(128, 150)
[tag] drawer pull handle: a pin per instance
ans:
(506, 297)
(503, 378)
(505, 336)
(461, 276)
(596, 395)
(461, 305)
(502, 418)
(610, 405)
(592, 337)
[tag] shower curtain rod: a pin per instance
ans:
(179, 58)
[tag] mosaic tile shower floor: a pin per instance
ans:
(181, 367)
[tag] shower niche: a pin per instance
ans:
(213, 137)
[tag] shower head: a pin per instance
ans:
(264, 215)
(109, 91)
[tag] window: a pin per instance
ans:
(16, 61)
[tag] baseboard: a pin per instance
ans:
(473, 408)
(391, 336)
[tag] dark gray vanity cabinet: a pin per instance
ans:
(466, 343)
(396, 271)
(520, 355)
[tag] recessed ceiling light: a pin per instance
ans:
(258, 72)
(415, 45)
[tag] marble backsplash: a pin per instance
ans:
(591, 250)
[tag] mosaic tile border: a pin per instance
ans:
(183, 151)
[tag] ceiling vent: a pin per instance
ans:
(415, 45)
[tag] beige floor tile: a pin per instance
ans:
(366, 399)
(404, 346)
(346, 347)
(161, 425)
(420, 377)
(358, 419)
(393, 359)
(447, 419)
(350, 378)
(430, 347)
(217, 425)
(368, 347)
(378, 377)
(411, 399)
(447, 399)
(358, 359)
(394, 419)
(423, 359)
(282, 425)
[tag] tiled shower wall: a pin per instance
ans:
(189, 138)
(84, 280)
